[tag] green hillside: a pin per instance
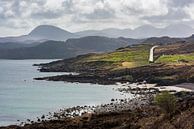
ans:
(177, 58)
(174, 64)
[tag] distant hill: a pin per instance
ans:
(190, 39)
(11, 45)
(145, 31)
(61, 49)
(110, 32)
(40, 34)
(46, 50)
(78, 46)
(48, 32)
(162, 40)
(99, 43)
(14, 45)
(167, 40)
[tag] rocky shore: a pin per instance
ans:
(136, 113)
(160, 74)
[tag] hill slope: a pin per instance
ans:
(40, 34)
(174, 65)
(78, 46)
(49, 32)
(60, 49)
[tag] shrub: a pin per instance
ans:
(167, 102)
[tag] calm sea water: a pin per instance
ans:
(21, 97)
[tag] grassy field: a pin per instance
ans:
(127, 57)
(136, 56)
(130, 57)
(177, 58)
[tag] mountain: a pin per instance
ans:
(45, 50)
(40, 34)
(70, 48)
(48, 32)
(98, 43)
(177, 30)
(78, 46)
(110, 32)
(145, 31)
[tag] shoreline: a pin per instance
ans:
(142, 93)
(117, 96)
(115, 105)
(187, 87)
(116, 114)
(110, 78)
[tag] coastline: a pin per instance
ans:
(119, 113)
(115, 105)
(141, 89)
(49, 113)
(160, 74)
(23, 98)
(142, 96)
(189, 86)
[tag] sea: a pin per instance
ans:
(22, 97)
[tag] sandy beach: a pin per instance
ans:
(189, 86)
(176, 88)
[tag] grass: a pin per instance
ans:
(126, 58)
(176, 58)
(132, 57)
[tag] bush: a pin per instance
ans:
(167, 102)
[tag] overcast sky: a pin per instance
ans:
(20, 16)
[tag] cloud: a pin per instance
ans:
(189, 9)
(179, 3)
(78, 15)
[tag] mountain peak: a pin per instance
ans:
(50, 32)
(42, 29)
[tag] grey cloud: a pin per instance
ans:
(18, 10)
(131, 11)
(47, 15)
(176, 13)
(97, 14)
(106, 12)
(101, 14)
(14, 6)
(68, 6)
(172, 15)
(179, 3)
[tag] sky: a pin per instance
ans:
(21, 16)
